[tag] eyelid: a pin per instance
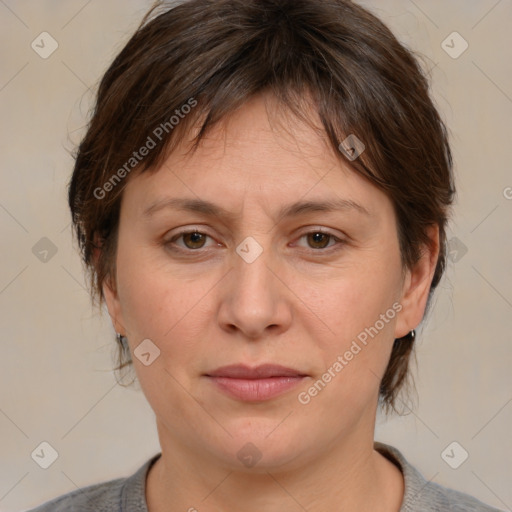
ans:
(318, 229)
(185, 231)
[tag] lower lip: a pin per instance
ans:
(256, 390)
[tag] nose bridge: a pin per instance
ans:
(252, 277)
(254, 297)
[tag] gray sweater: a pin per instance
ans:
(128, 494)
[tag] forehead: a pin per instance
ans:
(259, 153)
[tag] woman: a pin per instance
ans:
(261, 199)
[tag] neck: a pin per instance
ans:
(348, 476)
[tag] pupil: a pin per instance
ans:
(195, 238)
(317, 238)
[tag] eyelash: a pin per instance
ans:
(336, 246)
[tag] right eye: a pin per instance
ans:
(192, 240)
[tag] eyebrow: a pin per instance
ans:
(291, 210)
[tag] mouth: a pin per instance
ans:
(255, 384)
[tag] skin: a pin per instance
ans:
(299, 304)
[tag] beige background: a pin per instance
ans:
(55, 379)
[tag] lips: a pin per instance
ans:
(255, 384)
(264, 371)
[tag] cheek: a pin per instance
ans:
(151, 302)
(172, 310)
(356, 298)
(360, 309)
(159, 306)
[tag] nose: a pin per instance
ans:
(255, 299)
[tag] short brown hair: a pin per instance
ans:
(216, 55)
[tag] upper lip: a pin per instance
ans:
(264, 371)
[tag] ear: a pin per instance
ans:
(416, 286)
(109, 289)
(113, 305)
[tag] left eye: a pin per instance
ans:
(320, 240)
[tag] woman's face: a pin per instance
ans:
(314, 289)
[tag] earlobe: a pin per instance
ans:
(416, 286)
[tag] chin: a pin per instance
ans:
(261, 445)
